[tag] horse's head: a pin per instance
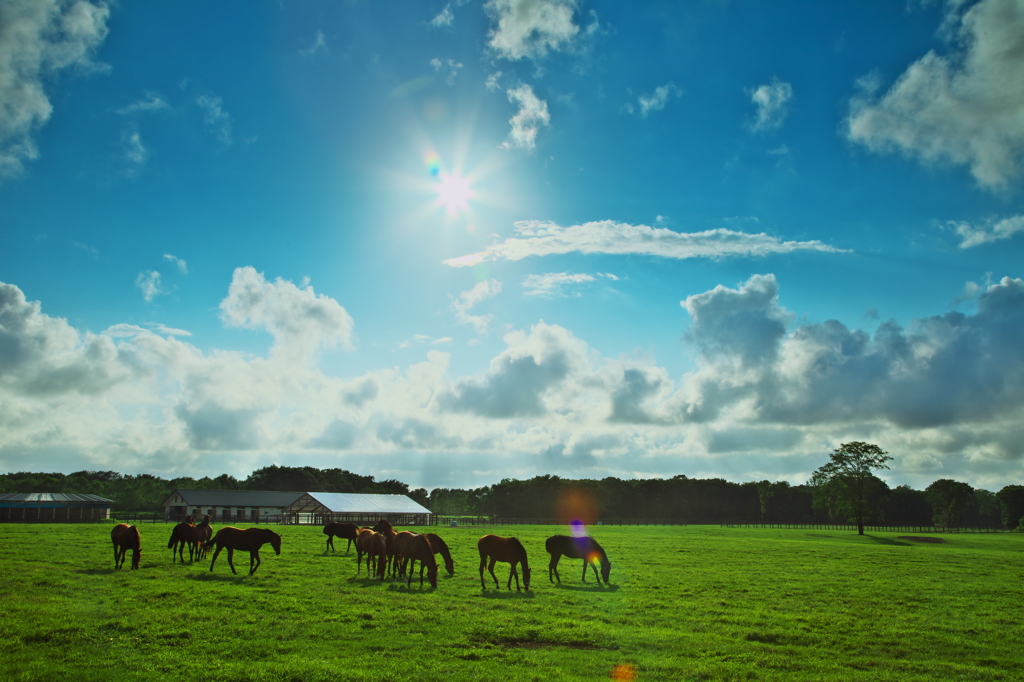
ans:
(606, 570)
(275, 542)
(526, 577)
(432, 575)
(136, 555)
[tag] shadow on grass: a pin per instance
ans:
(887, 541)
(220, 577)
(411, 589)
(586, 587)
(489, 593)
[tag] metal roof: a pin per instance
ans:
(377, 504)
(235, 498)
(55, 497)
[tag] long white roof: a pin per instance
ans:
(356, 503)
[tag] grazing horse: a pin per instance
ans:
(440, 547)
(385, 529)
(377, 552)
(180, 536)
(345, 531)
(585, 548)
(419, 547)
(126, 537)
(507, 550)
(248, 540)
(363, 545)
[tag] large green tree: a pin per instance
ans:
(951, 500)
(846, 484)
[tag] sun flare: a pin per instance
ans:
(453, 193)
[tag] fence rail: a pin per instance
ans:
(882, 528)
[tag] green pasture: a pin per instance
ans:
(685, 603)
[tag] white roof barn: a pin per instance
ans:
(269, 506)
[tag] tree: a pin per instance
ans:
(764, 493)
(950, 502)
(1011, 505)
(846, 484)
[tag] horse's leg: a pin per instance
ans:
(483, 565)
(513, 574)
(490, 567)
(231, 556)
(254, 555)
(422, 566)
(349, 547)
(216, 553)
(553, 568)
(597, 576)
(115, 555)
(330, 543)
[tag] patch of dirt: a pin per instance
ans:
(919, 538)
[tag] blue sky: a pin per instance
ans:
(455, 242)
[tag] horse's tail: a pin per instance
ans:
(174, 539)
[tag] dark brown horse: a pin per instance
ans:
(585, 548)
(126, 537)
(248, 540)
(363, 546)
(204, 531)
(385, 529)
(440, 547)
(345, 531)
(507, 550)
(418, 547)
(180, 537)
(377, 555)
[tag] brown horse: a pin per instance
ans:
(345, 531)
(180, 536)
(385, 529)
(585, 548)
(363, 545)
(507, 550)
(377, 554)
(126, 537)
(440, 547)
(418, 547)
(204, 531)
(248, 540)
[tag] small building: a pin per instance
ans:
(53, 507)
(363, 510)
(228, 506)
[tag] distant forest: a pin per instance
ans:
(945, 503)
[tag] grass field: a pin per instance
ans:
(686, 603)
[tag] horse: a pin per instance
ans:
(403, 542)
(440, 547)
(385, 529)
(419, 547)
(250, 540)
(179, 540)
(363, 545)
(585, 548)
(345, 531)
(126, 537)
(377, 551)
(204, 533)
(507, 550)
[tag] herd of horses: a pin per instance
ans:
(387, 551)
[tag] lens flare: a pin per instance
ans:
(432, 160)
(623, 672)
(453, 193)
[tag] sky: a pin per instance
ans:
(453, 242)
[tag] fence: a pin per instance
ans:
(883, 528)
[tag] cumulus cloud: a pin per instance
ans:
(532, 114)
(178, 263)
(540, 238)
(529, 29)
(319, 46)
(963, 107)
(990, 231)
(772, 102)
(443, 18)
(149, 283)
(467, 300)
(39, 38)
(151, 102)
(449, 67)
(300, 320)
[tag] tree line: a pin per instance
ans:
(945, 503)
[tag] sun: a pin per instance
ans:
(453, 193)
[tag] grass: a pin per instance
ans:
(686, 603)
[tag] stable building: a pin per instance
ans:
(362, 510)
(228, 506)
(53, 507)
(266, 506)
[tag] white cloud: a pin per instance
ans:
(39, 38)
(772, 102)
(449, 67)
(150, 284)
(492, 83)
(993, 230)
(151, 102)
(319, 46)
(135, 152)
(553, 283)
(216, 119)
(444, 18)
(533, 113)
(963, 108)
(531, 28)
(467, 300)
(539, 238)
(657, 100)
(300, 320)
(180, 264)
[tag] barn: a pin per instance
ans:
(53, 507)
(320, 508)
(266, 506)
